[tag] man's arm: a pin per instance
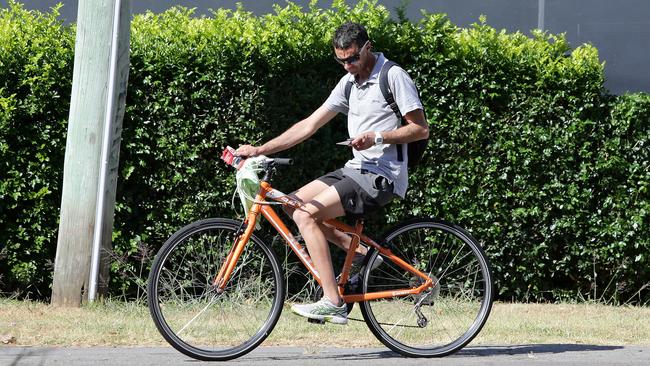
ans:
(296, 134)
(415, 129)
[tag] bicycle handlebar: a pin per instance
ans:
(229, 157)
(282, 161)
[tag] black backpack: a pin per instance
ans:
(414, 149)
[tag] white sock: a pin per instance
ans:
(333, 303)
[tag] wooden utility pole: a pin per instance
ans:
(101, 68)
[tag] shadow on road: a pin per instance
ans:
(279, 355)
(532, 348)
(479, 351)
(27, 353)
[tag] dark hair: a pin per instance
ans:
(349, 33)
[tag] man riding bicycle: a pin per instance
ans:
(374, 175)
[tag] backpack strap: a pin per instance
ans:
(348, 90)
(385, 90)
(388, 95)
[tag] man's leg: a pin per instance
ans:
(342, 240)
(325, 205)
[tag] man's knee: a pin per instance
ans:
(303, 217)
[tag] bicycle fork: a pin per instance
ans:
(241, 237)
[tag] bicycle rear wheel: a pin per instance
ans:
(447, 316)
(188, 311)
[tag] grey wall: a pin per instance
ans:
(620, 29)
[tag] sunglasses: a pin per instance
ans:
(352, 59)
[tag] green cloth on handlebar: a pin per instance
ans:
(248, 183)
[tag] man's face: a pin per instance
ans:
(354, 58)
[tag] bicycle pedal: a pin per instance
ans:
(316, 321)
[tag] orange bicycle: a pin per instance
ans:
(216, 290)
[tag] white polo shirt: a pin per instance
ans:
(368, 110)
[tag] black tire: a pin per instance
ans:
(185, 307)
(452, 313)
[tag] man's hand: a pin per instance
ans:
(247, 151)
(364, 141)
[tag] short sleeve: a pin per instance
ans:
(337, 102)
(404, 90)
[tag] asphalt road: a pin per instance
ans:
(547, 354)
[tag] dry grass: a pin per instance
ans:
(567, 323)
(128, 324)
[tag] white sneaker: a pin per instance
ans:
(323, 310)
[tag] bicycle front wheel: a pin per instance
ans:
(447, 316)
(188, 311)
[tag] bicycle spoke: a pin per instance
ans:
(196, 316)
(186, 307)
(442, 318)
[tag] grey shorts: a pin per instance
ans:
(360, 191)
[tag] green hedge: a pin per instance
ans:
(36, 59)
(527, 150)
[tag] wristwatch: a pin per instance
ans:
(379, 139)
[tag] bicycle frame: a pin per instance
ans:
(262, 206)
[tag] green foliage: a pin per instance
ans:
(36, 57)
(527, 151)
